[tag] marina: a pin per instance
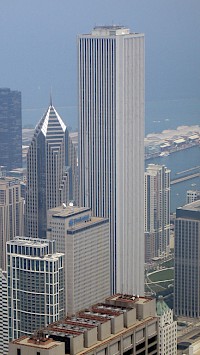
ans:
(184, 166)
(171, 141)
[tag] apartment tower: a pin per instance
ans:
(35, 278)
(111, 134)
(157, 211)
(10, 129)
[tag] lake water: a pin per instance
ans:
(160, 114)
(169, 114)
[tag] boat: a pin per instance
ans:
(164, 154)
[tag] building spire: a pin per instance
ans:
(51, 104)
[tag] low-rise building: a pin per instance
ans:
(122, 325)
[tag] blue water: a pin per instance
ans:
(177, 162)
(169, 114)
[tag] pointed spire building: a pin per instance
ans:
(167, 328)
(47, 174)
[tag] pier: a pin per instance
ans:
(184, 178)
(186, 171)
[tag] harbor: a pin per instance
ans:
(171, 141)
(185, 173)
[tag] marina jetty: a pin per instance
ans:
(170, 141)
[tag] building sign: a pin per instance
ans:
(80, 219)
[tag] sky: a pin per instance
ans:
(38, 48)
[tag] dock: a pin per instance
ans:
(184, 178)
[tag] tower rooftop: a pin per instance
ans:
(50, 122)
(161, 307)
(110, 30)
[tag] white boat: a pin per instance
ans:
(164, 154)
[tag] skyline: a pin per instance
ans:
(44, 55)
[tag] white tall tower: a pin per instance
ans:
(111, 156)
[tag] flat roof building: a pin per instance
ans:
(111, 152)
(11, 214)
(103, 329)
(187, 261)
(85, 240)
(35, 285)
(10, 129)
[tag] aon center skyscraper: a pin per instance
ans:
(111, 133)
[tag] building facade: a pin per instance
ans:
(35, 285)
(10, 129)
(192, 195)
(47, 172)
(167, 329)
(11, 214)
(73, 162)
(187, 261)
(118, 326)
(4, 338)
(157, 211)
(111, 134)
(85, 240)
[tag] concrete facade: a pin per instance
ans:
(34, 347)
(192, 195)
(102, 329)
(111, 137)
(85, 240)
(11, 214)
(167, 329)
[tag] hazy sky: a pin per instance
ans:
(38, 47)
